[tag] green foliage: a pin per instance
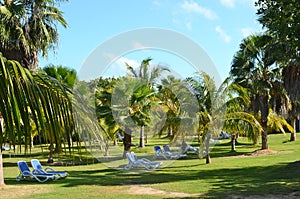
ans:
(281, 18)
(29, 28)
(27, 95)
(64, 75)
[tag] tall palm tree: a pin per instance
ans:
(254, 68)
(147, 75)
(29, 29)
(25, 94)
(291, 79)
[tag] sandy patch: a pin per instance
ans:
(262, 152)
(140, 190)
(14, 191)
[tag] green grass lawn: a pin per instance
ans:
(231, 175)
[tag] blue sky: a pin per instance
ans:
(218, 26)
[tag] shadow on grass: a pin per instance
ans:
(255, 180)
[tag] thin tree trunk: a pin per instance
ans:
(293, 134)
(208, 159)
(233, 142)
(263, 100)
(170, 131)
(142, 133)
(127, 141)
(106, 152)
(264, 138)
(51, 149)
(2, 184)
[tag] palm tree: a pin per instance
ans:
(66, 76)
(254, 67)
(238, 122)
(170, 102)
(220, 109)
(291, 79)
(148, 75)
(29, 28)
(103, 96)
(23, 92)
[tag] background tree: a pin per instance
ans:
(103, 96)
(171, 104)
(281, 19)
(148, 76)
(29, 29)
(66, 76)
(254, 69)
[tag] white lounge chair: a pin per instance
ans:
(134, 162)
(26, 174)
(38, 167)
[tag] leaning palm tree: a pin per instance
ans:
(25, 94)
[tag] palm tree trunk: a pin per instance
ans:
(170, 132)
(51, 149)
(127, 141)
(106, 152)
(208, 159)
(264, 137)
(263, 101)
(293, 134)
(142, 133)
(2, 184)
(233, 142)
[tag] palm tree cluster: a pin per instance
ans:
(260, 96)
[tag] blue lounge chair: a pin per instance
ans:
(38, 167)
(26, 174)
(166, 155)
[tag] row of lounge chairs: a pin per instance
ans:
(38, 173)
(167, 154)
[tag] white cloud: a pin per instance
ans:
(138, 45)
(122, 60)
(119, 68)
(247, 31)
(188, 25)
(156, 3)
(193, 7)
(223, 34)
(228, 3)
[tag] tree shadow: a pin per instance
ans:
(257, 180)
